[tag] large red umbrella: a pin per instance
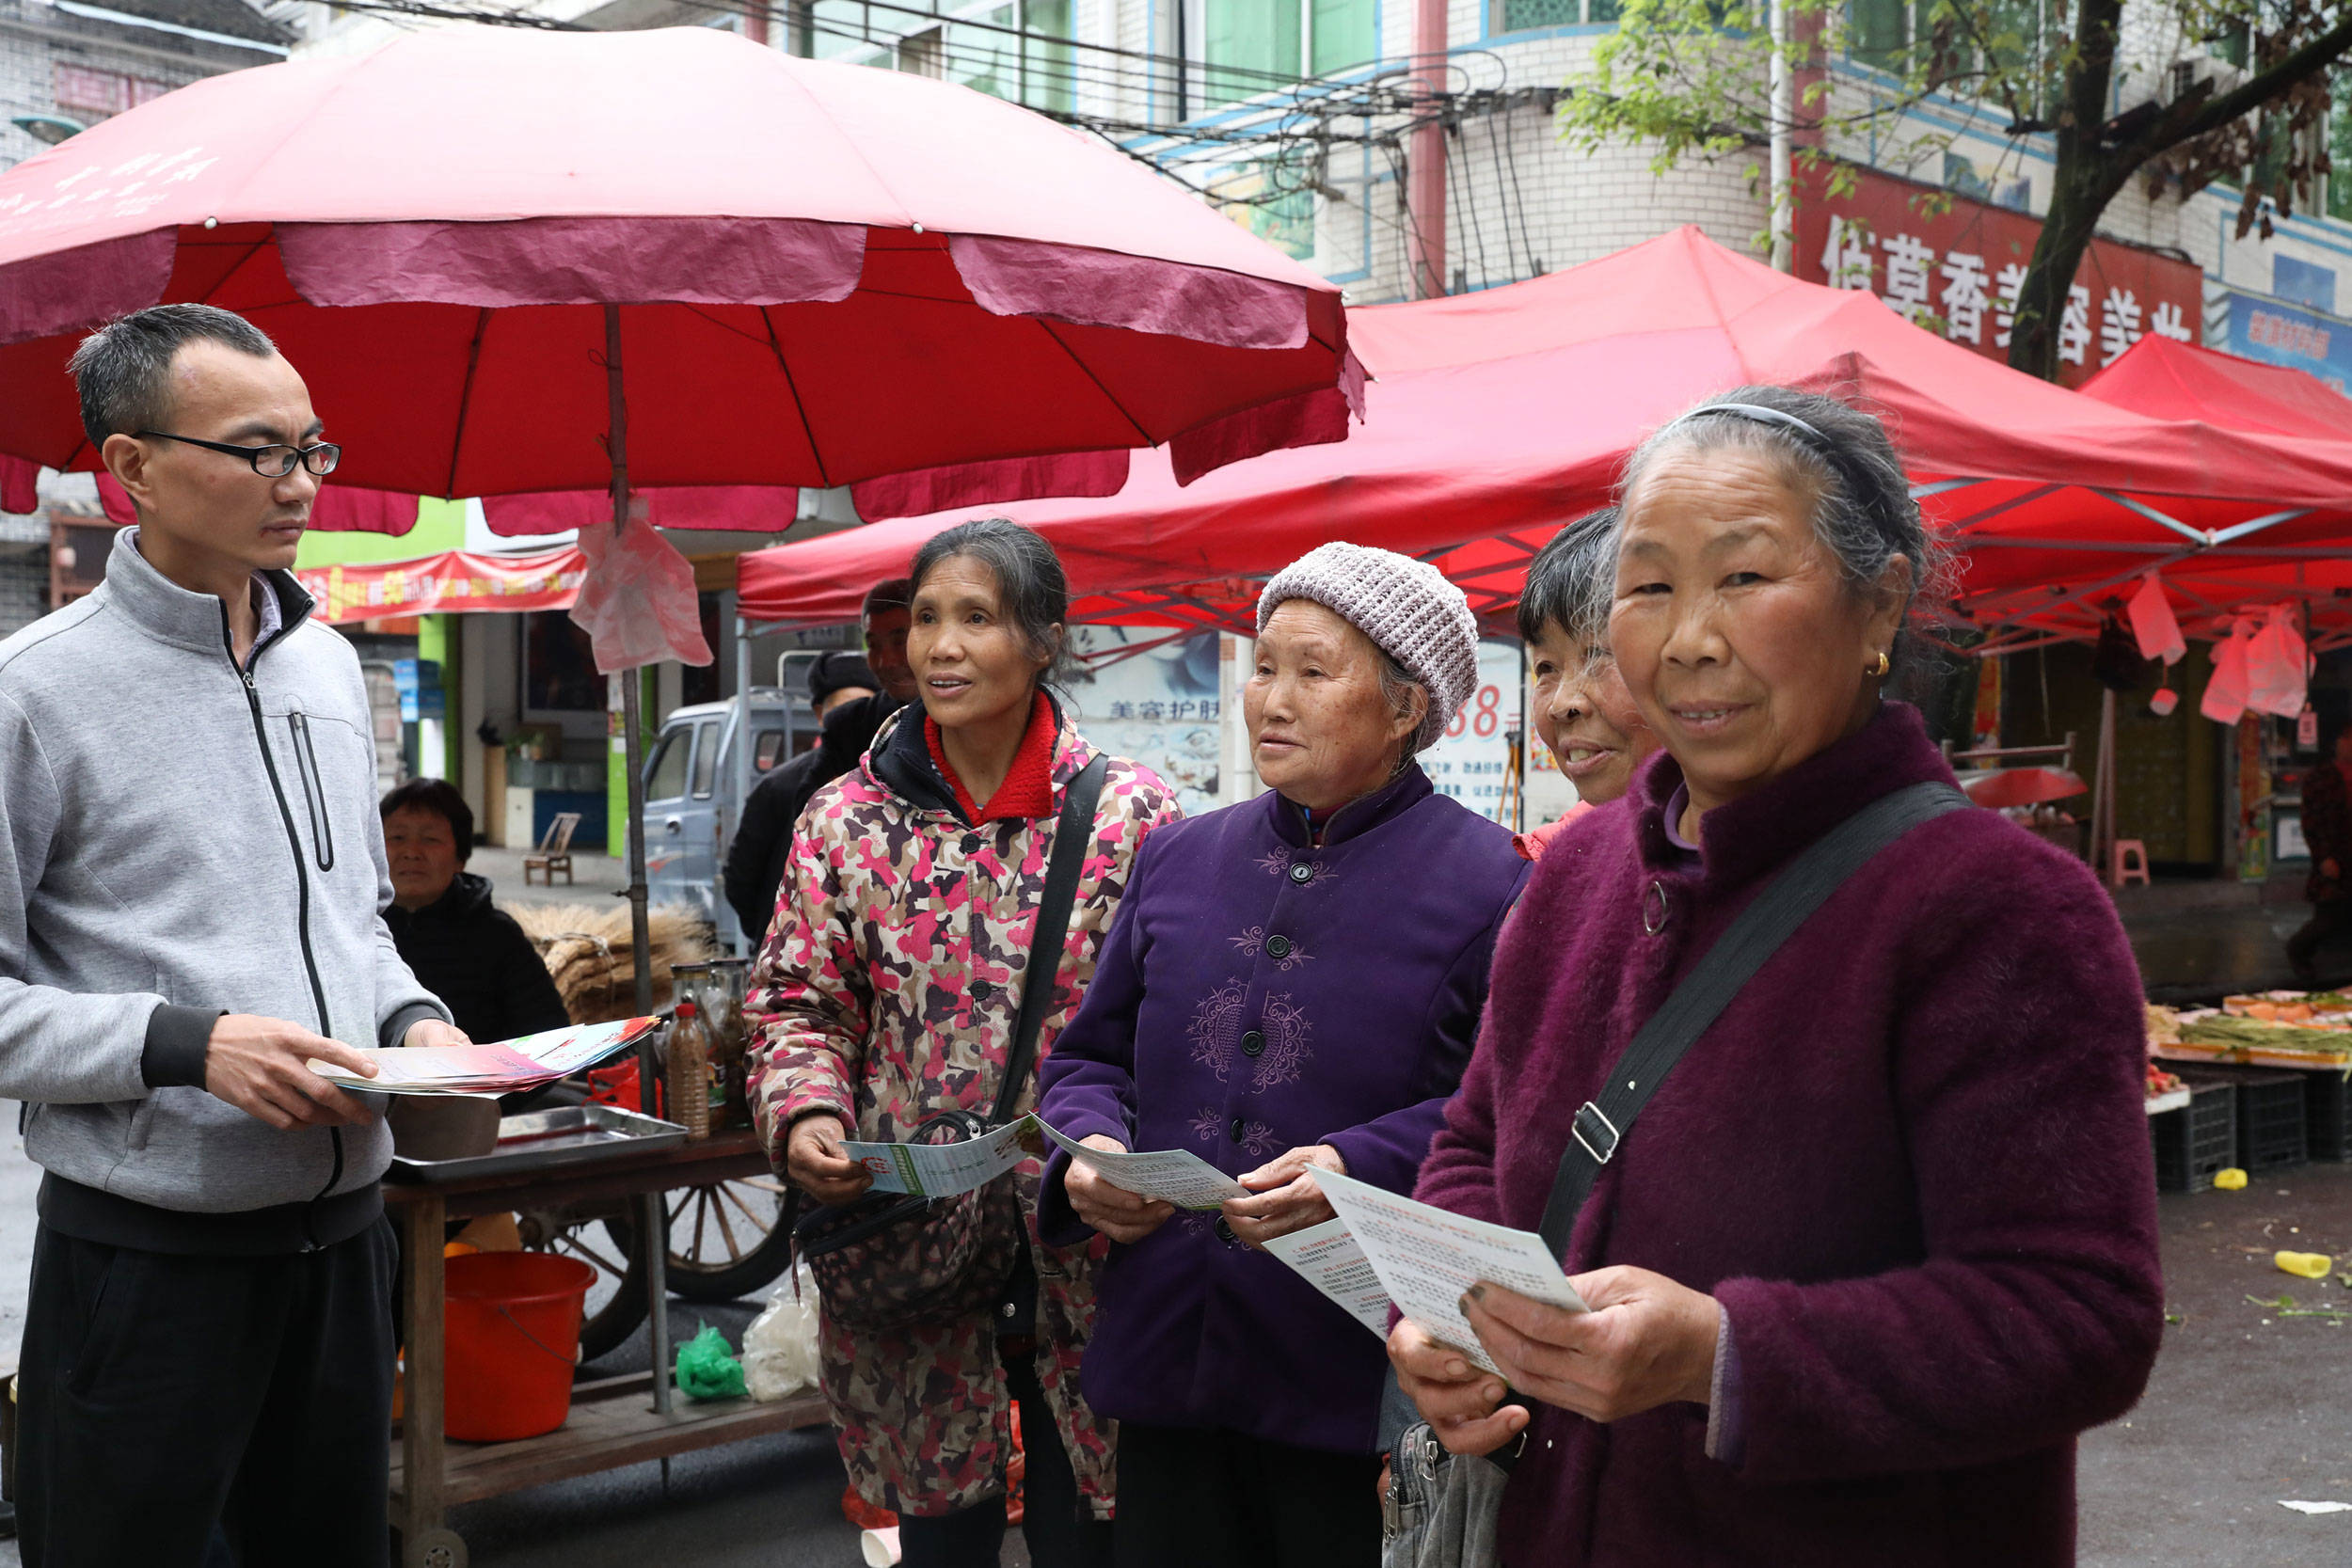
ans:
(1499, 415)
(825, 275)
(516, 262)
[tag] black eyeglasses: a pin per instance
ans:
(274, 461)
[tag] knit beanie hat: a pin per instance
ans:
(830, 672)
(1405, 606)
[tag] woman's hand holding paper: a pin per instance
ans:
(1461, 1401)
(1647, 1341)
(1122, 1215)
(1285, 1197)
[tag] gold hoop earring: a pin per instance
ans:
(1882, 665)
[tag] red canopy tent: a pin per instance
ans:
(1498, 416)
(2179, 382)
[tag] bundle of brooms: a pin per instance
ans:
(588, 951)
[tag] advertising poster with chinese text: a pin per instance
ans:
(2281, 334)
(1151, 694)
(1473, 761)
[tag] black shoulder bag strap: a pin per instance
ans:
(818, 1232)
(1072, 837)
(1755, 936)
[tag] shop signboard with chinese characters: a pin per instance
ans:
(451, 582)
(1955, 267)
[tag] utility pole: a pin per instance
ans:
(1424, 177)
(1783, 98)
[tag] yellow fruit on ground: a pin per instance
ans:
(2228, 1180)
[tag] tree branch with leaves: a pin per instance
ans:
(2220, 90)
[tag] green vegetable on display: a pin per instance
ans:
(2252, 1034)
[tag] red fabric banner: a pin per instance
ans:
(452, 582)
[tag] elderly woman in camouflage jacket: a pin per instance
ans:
(887, 994)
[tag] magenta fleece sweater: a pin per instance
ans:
(1910, 1159)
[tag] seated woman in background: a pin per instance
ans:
(1292, 983)
(1884, 1242)
(1583, 714)
(462, 948)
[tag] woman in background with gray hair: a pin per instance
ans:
(1291, 983)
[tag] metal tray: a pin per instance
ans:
(572, 1135)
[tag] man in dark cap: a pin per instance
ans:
(852, 698)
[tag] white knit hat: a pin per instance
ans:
(1405, 606)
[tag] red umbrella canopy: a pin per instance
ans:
(1501, 415)
(826, 275)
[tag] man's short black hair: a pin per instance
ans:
(440, 797)
(889, 594)
(123, 370)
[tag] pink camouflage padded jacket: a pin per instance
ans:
(886, 992)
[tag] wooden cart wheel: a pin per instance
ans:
(606, 1243)
(727, 1239)
(435, 1549)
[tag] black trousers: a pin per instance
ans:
(1051, 1525)
(1189, 1498)
(2326, 920)
(177, 1411)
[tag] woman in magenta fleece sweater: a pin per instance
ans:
(1884, 1241)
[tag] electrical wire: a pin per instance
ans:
(1283, 135)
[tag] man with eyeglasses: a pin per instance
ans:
(191, 871)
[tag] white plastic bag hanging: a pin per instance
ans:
(2153, 626)
(638, 602)
(2224, 702)
(2277, 665)
(780, 1347)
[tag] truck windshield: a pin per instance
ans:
(665, 776)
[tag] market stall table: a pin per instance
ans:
(613, 1421)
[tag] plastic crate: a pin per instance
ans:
(2197, 1139)
(2328, 1114)
(2270, 1115)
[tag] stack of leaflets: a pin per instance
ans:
(523, 1063)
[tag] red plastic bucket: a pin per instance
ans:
(513, 1341)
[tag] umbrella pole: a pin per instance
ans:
(653, 1214)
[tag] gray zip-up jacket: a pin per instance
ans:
(183, 839)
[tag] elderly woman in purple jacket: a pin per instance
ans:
(1884, 1241)
(1291, 982)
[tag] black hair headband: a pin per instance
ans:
(1814, 441)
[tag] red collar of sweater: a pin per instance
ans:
(1028, 787)
(1742, 839)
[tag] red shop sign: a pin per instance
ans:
(1957, 271)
